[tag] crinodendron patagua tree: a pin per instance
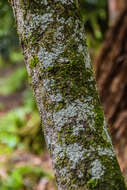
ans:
(57, 60)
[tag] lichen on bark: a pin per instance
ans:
(57, 60)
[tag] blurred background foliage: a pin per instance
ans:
(8, 36)
(21, 137)
(95, 17)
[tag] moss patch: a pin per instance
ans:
(71, 78)
(33, 62)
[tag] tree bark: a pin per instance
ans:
(115, 8)
(111, 75)
(58, 64)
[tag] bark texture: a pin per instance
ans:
(115, 8)
(58, 64)
(111, 75)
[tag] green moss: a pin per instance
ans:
(59, 137)
(99, 120)
(65, 136)
(58, 107)
(92, 183)
(33, 6)
(71, 78)
(112, 172)
(33, 62)
(62, 161)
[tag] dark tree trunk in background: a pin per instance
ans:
(111, 75)
(115, 8)
(58, 64)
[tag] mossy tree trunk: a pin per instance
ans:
(58, 64)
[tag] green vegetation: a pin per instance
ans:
(8, 36)
(24, 177)
(14, 82)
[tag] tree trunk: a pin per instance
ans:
(58, 64)
(111, 75)
(115, 8)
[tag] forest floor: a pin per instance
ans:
(16, 163)
(20, 157)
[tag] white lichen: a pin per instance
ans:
(55, 97)
(66, 2)
(61, 20)
(75, 154)
(80, 175)
(80, 48)
(37, 21)
(97, 170)
(82, 111)
(59, 34)
(63, 172)
(48, 84)
(105, 151)
(48, 59)
(77, 129)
